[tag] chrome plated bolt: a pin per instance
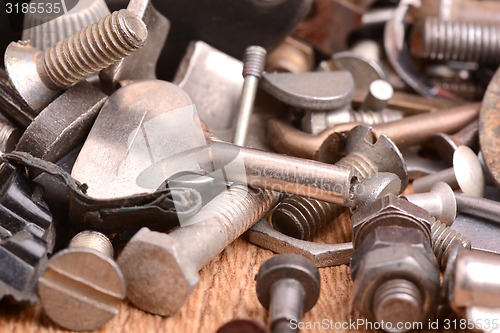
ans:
(253, 66)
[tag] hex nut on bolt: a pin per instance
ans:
(82, 286)
(288, 285)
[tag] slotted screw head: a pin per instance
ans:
(81, 289)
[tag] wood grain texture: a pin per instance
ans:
(226, 291)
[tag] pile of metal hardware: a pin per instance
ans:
(138, 141)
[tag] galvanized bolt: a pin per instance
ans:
(440, 202)
(316, 122)
(82, 285)
(288, 285)
(44, 31)
(162, 270)
(253, 66)
(39, 76)
(437, 39)
(466, 174)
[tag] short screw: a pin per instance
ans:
(253, 66)
(437, 39)
(162, 270)
(288, 285)
(9, 136)
(440, 202)
(82, 285)
(466, 174)
(38, 77)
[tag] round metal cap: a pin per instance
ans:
(468, 171)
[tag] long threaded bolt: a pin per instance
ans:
(288, 285)
(253, 66)
(82, 285)
(162, 270)
(437, 39)
(444, 239)
(94, 48)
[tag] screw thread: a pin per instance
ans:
(44, 31)
(93, 240)
(466, 89)
(464, 41)
(237, 209)
(402, 291)
(94, 48)
(302, 218)
(444, 239)
(375, 117)
(360, 164)
(254, 61)
(9, 136)
(283, 326)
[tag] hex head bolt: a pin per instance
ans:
(162, 270)
(38, 77)
(82, 286)
(253, 66)
(437, 39)
(440, 202)
(447, 144)
(288, 285)
(466, 174)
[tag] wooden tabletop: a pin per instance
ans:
(226, 291)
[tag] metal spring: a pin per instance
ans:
(444, 239)
(302, 218)
(435, 39)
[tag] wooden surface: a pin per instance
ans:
(226, 291)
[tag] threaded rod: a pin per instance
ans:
(94, 48)
(444, 239)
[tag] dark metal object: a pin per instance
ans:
(229, 26)
(405, 132)
(13, 107)
(288, 285)
(242, 326)
(489, 127)
(396, 276)
(26, 235)
(63, 124)
(126, 214)
(483, 234)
